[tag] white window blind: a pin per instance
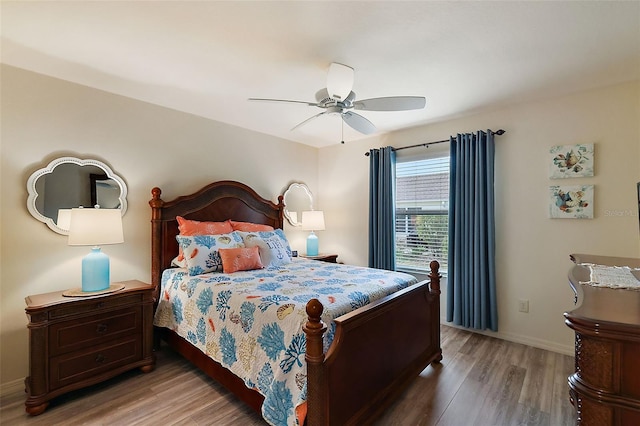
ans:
(422, 207)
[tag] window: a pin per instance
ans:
(422, 208)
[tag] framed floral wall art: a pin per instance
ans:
(569, 161)
(571, 202)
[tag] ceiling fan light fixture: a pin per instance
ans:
(338, 100)
(339, 81)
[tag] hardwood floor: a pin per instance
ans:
(481, 381)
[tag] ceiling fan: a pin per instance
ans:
(338, 98)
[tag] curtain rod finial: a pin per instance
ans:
(500, 132)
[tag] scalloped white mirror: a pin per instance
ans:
(69, 182)
(297, 198)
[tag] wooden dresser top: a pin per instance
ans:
(606, 307)
(56, 297)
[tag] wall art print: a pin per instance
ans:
(569, 161)
(571, 202)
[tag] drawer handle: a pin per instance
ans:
(101, 328)
(100, 358)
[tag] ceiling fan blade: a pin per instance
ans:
(339, 81)
(359, 123)
(392, 103)
(283, 100)
(308, 120)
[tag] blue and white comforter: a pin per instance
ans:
(251, 321)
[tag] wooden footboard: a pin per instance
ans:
(377, 350)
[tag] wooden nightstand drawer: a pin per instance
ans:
(84, 332)
(76, 366)
(92, 305)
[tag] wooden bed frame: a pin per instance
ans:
(377, 349)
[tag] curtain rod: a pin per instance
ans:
(426, 144)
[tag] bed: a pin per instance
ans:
(375, 351)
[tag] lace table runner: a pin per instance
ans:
(612, 277)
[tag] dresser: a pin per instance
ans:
(79, 341)
(605, 388)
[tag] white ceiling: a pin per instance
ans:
(208, 57)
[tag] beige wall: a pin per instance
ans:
(532, 250)
(43, 118)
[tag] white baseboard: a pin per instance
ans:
(518, 338)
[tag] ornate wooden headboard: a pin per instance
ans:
(215, 202)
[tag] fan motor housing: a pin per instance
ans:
(327, 102)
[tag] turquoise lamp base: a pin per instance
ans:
(312, 244)
(95, 271)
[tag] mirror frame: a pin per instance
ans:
(289, 190)
(33, 194)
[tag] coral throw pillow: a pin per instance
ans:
(240, 259)
(194, 227)
(250, 227)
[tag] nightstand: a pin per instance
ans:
(324, 257)
(80, 341)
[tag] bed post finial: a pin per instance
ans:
(155, 196)
(156, 204)
(314, 329)
(434, 277)
(281, 207)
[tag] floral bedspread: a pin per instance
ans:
(251, 321)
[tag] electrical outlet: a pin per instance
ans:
(523, 305)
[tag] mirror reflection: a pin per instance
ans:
(70, 182)
(297, 198)
(105, 192)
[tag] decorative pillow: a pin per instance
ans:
(201, 252)
(250, 227)
(240, 259)
(273, 245)
(194, 227)
(179, 260)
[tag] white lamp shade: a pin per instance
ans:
(64, 218)
(94, 227)
(313, 220)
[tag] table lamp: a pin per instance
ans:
(312, 221)
(95, 227)
(64, 218)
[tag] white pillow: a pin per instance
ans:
(273, 245)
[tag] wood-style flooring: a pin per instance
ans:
(481, 381)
